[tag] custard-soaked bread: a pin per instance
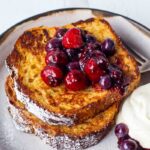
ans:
(76, 137)
(58, 105)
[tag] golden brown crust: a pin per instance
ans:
(76, 106)
(61, 129)
(62, 142)
(91, 131)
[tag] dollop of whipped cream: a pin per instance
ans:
(135, 113)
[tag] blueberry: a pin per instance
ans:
(60, 32)
(128, 144)
(54, 43)
(108, 47)
(121, 130)
(89, 38)
(121, 140)
(105, 82)
(83, 33)
(72, 54)
(116, 74)
(73, 65)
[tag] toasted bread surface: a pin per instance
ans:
(28, 59)
(78, 136)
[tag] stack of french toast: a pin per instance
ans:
(66, 83)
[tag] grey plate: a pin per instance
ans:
(10, 138)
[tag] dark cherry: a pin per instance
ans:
(121, 130)
(85, 53)
(56, 57)
(108, 47)
(73, 38)
(92, 46)
(72, 54)
(93, 70)
(62, 67)
(105, 82)
(54, 43)
(96, 53)
(83, 61)
(116, 74)
(73, 65)
(91, 53)
(98, 45)
(89, 38)
(52, 75)
(75, 80)
(60, 32)
(128, 144)
(102, 61)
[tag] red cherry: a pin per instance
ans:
(72, 38)
(52, 75)
(93, 70)
(75, 80)
(56, 57)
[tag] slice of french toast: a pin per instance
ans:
(58, 105)
(76, 137)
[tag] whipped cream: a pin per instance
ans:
(136, 114)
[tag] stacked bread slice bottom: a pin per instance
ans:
(75, 137)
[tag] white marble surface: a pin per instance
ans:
(13, 11)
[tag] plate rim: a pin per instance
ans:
(34, 17)
(5, 34)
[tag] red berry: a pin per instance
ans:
(93, 70)
(72, 38)
(52, 75)
(56, 57)
(75, 80)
